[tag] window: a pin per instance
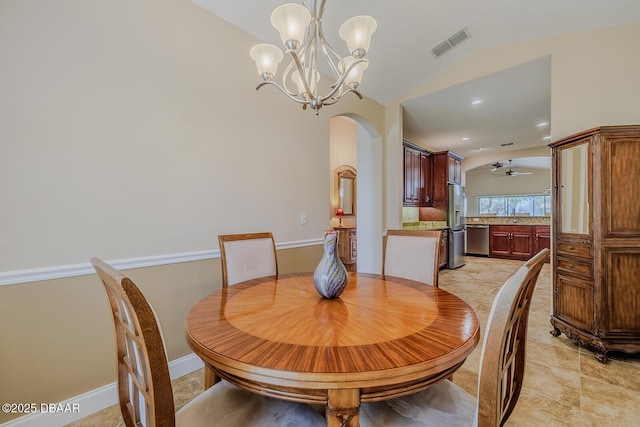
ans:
(534, 205)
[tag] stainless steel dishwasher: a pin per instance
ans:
(478, 239)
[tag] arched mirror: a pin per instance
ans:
(346, 187)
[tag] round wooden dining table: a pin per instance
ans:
(384, 337)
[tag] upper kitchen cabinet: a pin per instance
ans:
(446, 170)
(455, 168)
(596, 233)
(418, 176)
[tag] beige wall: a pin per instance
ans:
(133, 129)
(120, 119)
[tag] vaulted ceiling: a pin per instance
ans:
(400, 57)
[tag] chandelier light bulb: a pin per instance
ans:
(291, 20)
(354, 76)
(267, 58)
(357, 32)
(313, 82)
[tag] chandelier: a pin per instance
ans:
(301, 33)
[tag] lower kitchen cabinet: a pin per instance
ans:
(444, 248)
(511, 241)
(541, 239)
(518, 241)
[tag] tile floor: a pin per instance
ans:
(564, 385)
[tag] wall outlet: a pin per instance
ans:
(303, 218)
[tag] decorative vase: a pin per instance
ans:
(330, 276)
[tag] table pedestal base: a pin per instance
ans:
(343, 408)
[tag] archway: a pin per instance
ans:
(369, 189)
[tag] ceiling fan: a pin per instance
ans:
(498, 165)
(515, 173)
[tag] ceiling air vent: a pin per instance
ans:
(506, 144)
(451, 42)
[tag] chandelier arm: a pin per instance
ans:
(326, 47)
(303, 76)
(328, 51)
(284, 79)
(293, 98)
(307, 39)
(334, 100)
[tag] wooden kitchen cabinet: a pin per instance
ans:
(511, 241)
(444, 248)
(411, 176)
(596, 235)
(541, 238)
(446, 170)
(454, 166)
(417, 188)
(347, 244)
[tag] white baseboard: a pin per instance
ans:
(96, 400)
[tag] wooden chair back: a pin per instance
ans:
(247, 256)
(144, 383)
(412, 254)
(504, 346)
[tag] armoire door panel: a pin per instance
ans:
(622, 270)
(621, 213)
(574, 302)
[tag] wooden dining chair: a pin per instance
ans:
(144, 384)
(412, 254)
(247, 256)
(501, 369)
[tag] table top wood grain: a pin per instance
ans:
(383, 338)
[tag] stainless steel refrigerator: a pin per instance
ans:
(456, 200)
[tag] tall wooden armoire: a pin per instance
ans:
(596, 238)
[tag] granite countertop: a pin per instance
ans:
(425, 225)
(508, 220)
(480, 220)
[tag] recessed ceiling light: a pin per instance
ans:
(476, 102)
(547, 138)
(466, 138)
(542, 124)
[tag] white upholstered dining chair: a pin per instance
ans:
(501, 369)
(144, 384)
(247, 256)
(412, 254)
